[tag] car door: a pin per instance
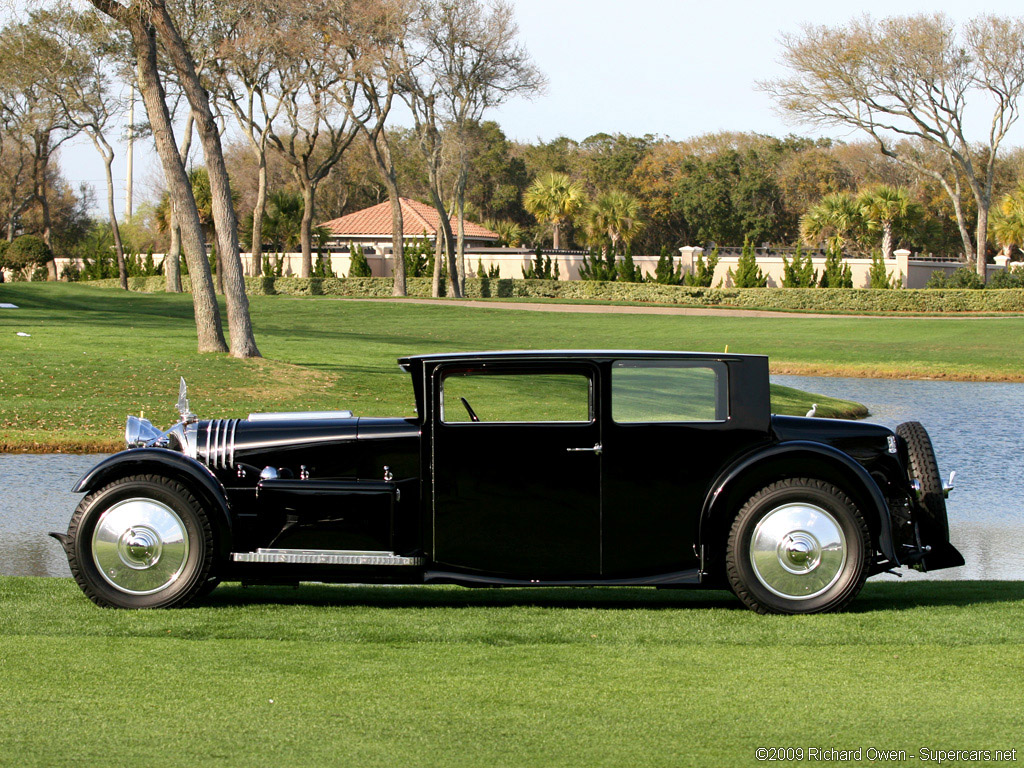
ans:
(516, 465)
(668, 431)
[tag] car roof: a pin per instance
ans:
(566, 354)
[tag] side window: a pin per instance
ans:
(468, 396)
(648, 391)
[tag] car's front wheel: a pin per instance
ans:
(141, 542)
(798, 546)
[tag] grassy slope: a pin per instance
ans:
(429, 676)
(95, 355)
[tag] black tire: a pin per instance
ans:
(821, 562)
(925, 469)
(178, 570)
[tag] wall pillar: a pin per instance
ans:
(688, 257)
(902, 264)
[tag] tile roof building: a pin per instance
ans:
(371, 227)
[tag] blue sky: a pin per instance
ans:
(675, 69)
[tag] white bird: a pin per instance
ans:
(814, 409)
(22, 333)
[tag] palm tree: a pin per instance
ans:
(283, 223)
(1007, 221)
(555, 198)
(882, 207)
(510, 233)
(613, 218)
(834, 218)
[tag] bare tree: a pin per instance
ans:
(421, 97)
(912, 77)
(15, 159)
(81, 82)
(477, 64)
(135, 18)
(29, 61)
(377, 61)
(314, 129)
(245, 83)
(243, 343)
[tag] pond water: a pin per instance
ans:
(977, 429)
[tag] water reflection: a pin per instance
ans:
(36, 498)
(977, 430)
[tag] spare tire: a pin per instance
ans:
(925, 469)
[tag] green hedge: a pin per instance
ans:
(807, 299)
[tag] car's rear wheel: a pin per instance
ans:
(798, 546)
(142, 541)
(925, 469)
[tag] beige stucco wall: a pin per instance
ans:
(512, 263)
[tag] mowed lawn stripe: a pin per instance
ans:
(447, 676)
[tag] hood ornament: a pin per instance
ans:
(187, 417)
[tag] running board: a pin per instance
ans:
(325, 557)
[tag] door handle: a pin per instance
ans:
(596, 449)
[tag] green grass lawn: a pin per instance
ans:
(94, 355)
(444, 676)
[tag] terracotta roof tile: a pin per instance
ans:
(416, 217)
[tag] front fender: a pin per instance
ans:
(798, 458)
(160, 461)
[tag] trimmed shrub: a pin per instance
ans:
(823, 300)
(703, 271)
(836, 273)
(540, 268)
(26, 253)
(748, 274)
(964, 277)
(1012, 277)
(598, 267)
(665, 273)
(800, 272)
(358, 266)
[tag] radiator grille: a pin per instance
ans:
(217, 451)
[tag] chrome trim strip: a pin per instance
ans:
(300, 415)
(209, 429)
(325, 557)
(234, 428)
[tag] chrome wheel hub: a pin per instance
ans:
(798, 551)
(140, 546)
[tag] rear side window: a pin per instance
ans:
(648, 391)
(515, 397)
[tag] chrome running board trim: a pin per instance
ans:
(325, 557)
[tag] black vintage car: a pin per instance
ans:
(521, 468)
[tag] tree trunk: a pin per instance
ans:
(556, 240)
(397, 241)
(172, 259)
(218, 267)
(381, 154)
(41, 160)
(207, 313)
(445, 241)
(259, 212)
(982, 242)
(306, 228)
(886, 239)
(460, 212)
(229, 272)
(122, 268)
(439, 258)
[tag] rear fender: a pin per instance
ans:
(160, 461)
(799, 458)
